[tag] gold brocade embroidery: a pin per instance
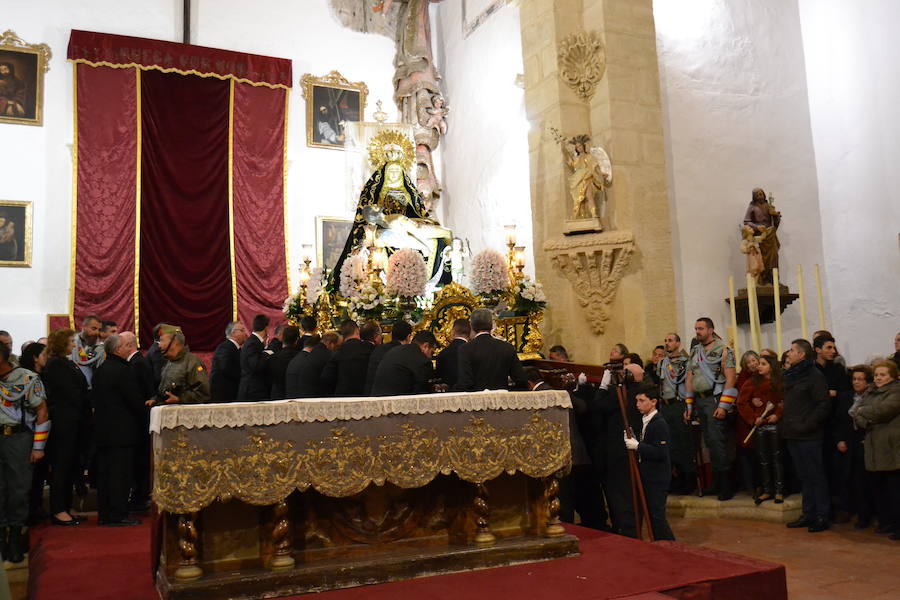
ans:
(263, 471)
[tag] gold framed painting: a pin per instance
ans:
(331, 101)
(15, 233)
(331, 235)
(22, 68)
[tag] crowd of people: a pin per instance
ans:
(84, 398)
(770, 425)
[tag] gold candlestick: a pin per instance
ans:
(802, 299)
(820, 300)
(777, 291)
(754, 312)
(734, 326)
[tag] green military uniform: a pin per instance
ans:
(671, 372)
(21, 392)
(187, 372)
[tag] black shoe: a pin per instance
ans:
(4, 541)
(885, 529)
(895, 536)
(14, 551)
(726, 489)
(121, 523)
(71, 523)
(818, 525)
(779, 498)
(861, 524)
(801, 522)
(762, 498)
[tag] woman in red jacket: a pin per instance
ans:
(761, 389)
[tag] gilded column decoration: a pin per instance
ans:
(551, 493)
(281, 537)
(581, 59)
(594, 265)
(484, 536)
(188, 565)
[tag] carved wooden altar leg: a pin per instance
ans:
(281, 537)
(188, 567)
(482, 512)
(551, 493)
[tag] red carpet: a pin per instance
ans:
(97, 563)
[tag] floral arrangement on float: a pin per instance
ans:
(406, 275)
(490, 276)
(354, 275)
(527, 296)
(368, 303)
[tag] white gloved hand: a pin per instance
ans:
(607, 379)
(630, 443)
(582, 379)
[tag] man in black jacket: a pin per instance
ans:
(448, 358)
(277, 342)
(345, 374)
(839, 425)
(226, 364)
(806, 410)
(652, 447)
(119, 416)
(154, 356)
(401, 333)
(304, 373)
(407, 368)
(140, 493)
(254, 384)
(278, 363)
(487, 363)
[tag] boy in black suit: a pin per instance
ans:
(653, 455)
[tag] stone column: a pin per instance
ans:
(624, 117)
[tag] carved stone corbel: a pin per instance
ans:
(594, 265)
(581, 60)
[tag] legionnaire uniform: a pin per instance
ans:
(21, 392)
(671, 373)
(185, 372)
(707, 366)
(87, 357)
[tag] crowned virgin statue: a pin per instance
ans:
(390, 202)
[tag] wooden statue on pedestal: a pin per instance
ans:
(590, 173)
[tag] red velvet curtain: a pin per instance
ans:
(185, 266)
(258, 199)
(106, 125)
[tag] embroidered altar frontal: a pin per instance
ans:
(272, 497)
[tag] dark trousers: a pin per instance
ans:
(656, 494)
(771, 467)
(617, 486)
(39, 475)
(15, 478)
(681, 445)
(718, 434)
(65, 462)
(886, 485)
(141, 484)
(862, 495)
(114, 466)
(808, 460)
(582, 491)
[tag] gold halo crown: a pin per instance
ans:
(391, 145)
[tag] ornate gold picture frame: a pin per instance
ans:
(331, 235)
(22, 68)
(330, 101)
(15, 233)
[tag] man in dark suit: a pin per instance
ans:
(119, 416)
(303, 376)
(653, 456)
(154, 356)
(448, 358)
(140, 493)
(345, 373)
(254, 384)
(226, 364)
(277, 341)
(407, 368)
(401, 333)
(307, 328)
(278, 363)
(487, 363)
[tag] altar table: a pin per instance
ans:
(293, 496)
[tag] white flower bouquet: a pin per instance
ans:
(367, 303)
(490, 275)
(406, 274)
(354, 275)
(528, 296)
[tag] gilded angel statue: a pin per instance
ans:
(590, 174)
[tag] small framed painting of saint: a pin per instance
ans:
(15, 233)
(22, 68)
(331, 235)
(331, 102)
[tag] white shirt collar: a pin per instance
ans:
(233, 341)
(130, 356)
(646, 418)
(482, 333)
(260, 337)
(461, 338)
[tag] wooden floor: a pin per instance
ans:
(840, 564)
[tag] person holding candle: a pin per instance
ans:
(746, 452)
(760, 405)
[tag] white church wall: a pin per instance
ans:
(485, 152)
(851, 67)
(736, 116)
(37, 160)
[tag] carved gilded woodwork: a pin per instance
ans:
(593, 265)
(264, 471)
(581, 59)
